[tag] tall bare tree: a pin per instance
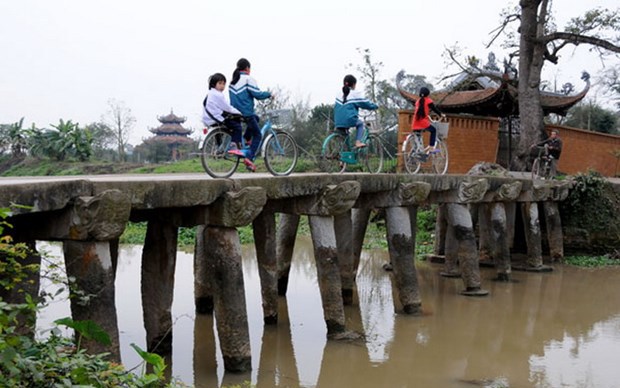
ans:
(540, 41)
(120, 119)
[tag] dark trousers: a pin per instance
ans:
(235, 127)
(252, 131)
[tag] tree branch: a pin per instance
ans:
(577, 39)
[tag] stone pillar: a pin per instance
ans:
(328, 272)
(203, 275)
(344, 243)
(285, 243)
(554, 231)
(511, 215)
(90, 263)
(224, 256)
(484, 233)
(157, 284)
(264, 228)
(400, 243)
(531, 225)
(451, 250)
(440, 230)
(360, 217)
(500, 246)
(459, 220)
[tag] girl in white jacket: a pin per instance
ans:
(216, 110)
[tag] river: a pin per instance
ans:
(559, 329)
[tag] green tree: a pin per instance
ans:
(592, 117)
(102, 141)
(14, 138)
(65, 140)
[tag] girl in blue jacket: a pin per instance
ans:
(347, 106)
(243, 90)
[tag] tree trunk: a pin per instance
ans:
(531, 59)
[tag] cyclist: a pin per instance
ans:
(216, 110)
(553, 148)
(243, 90)
(346, 109)
(421, 121)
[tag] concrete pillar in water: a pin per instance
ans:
(554, 231)
(203, 275)
(264, 228)
(459, 220)
(440, 230)
(285, 243)
(328, 272)
(400, 244)
(344, 243)
(451, 249)
(90, 263)
(359, 219)
(483, 220)
(499, 244)
(502, 232)
(531, 225)
(157, 284)
(224, 256)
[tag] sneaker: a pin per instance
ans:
(359, 144)
(433, 151)
(249, 165)
(236, 152)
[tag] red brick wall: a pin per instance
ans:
(474, 139)
(583, 150)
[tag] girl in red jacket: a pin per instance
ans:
(421, 121)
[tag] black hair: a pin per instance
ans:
(349, 82)
(421, 113)
(215, 78)
(242, 64)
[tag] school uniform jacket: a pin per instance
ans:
(243, 93)
(346, 113)
(216, 105)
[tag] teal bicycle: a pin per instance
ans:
(338, 152)
(277, 147)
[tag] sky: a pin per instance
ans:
(67, 58)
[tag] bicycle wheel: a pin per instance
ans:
(280, 154)
(372, 155)
(440, 159)
(412, 155)
(333, 146)
(214, 156)
(536, 169)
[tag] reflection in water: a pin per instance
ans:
(546, 330)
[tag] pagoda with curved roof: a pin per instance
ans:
(171, 133)
(491, 93)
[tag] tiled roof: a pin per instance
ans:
(496, 101)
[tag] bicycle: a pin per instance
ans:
(337, 152)
(543, 164)
(415, 158)
(277, 147)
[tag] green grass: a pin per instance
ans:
(591, 261)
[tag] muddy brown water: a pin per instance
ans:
(559, 329)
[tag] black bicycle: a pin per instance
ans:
(542, 167)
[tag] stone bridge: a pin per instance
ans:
(88, 214)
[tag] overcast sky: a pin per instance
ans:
(67, 58)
